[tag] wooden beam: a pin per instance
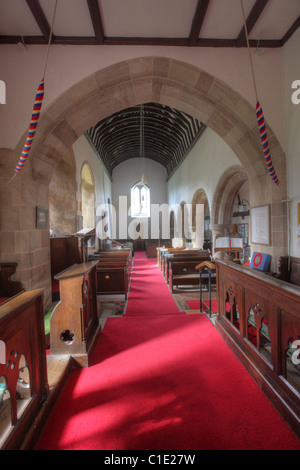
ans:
(144, 41)
(40, 17)
(291, 31)
(92, 41)
(198, 21)
(96, 20)
(251, 21)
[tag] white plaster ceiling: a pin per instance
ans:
(156, 22)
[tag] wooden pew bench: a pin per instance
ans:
(175, 251)
(168, 251)
(184, 275)
(9, 287)
(113, 271)
(111, 255)
(175, 257)
(112, 278)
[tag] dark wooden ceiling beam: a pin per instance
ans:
(146, 41)
(251, 20)
(291, 31)
(96, 20)
(198, 20)
(40, 18)
(9, 39)
(92, 41)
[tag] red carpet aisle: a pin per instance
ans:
(164, 382)
(149, 294)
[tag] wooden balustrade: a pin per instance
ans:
(259, 317)
(23, 370)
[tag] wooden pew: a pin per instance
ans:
(114, 254)
(112, 278)
(183, 274)
(113, 271)
(9, 287)
(183, 256)
(163, 252)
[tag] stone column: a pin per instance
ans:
(219, 229)
(20, 239)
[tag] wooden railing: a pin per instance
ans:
(259, 317)
(23, 370)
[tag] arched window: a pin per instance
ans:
(140, 200)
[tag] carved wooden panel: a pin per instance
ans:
(259, 316)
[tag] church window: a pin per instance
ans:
(140, 200)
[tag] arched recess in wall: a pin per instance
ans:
(229, 183)
(202, 227)
(87, 197)
(62, 197)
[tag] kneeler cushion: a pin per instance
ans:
(260, 261)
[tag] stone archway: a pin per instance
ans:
(225, 191)
(129, 83)
(162, 80)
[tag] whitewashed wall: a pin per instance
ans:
(291, 72)
(126, 175)
(207, 161)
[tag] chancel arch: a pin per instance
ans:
(129, 83)
(162, 80)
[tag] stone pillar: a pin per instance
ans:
(219, 229)
(20, 239)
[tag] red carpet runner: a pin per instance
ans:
(149, 294)
(163, 382)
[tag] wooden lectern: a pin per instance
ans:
(74, 323)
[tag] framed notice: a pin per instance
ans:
(41, 217)
(260, 225)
